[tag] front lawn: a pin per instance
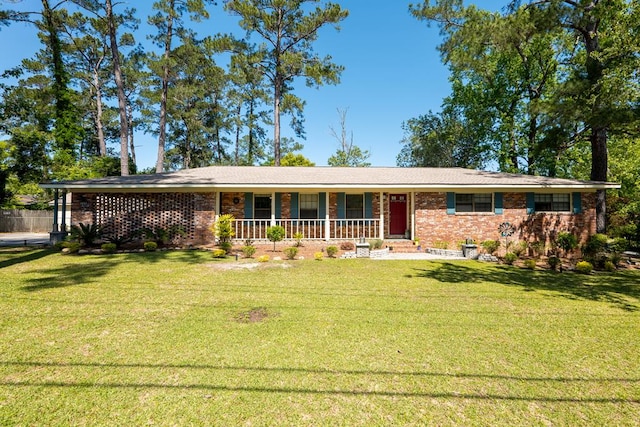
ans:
(178, 338)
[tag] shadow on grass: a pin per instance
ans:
(621, 289)
(70, 275)
(19, 256)
(279, 371)
(183, 256)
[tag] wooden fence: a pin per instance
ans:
(20, 220)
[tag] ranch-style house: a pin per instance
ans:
(333, 204)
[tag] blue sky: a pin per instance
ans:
(393, 72)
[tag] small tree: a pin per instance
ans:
(223, 228)
(275, 234)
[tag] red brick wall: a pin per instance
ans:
(122, 214)
(433, 224)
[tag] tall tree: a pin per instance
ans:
(348, 154)
(593, 81)
(287, 33)
(169, 23)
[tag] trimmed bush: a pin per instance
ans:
(584, 267)
(263, 258)
(219, 253)
(510, 258)
(248, 251)
(291, 252)
(332, 251)
(318, 256)
(530, 264)
(490, 246)
(109, 248)
(610, 266)
(72, 247)
(150, 246)
(226, 247)
(376, 244)
(223, 228)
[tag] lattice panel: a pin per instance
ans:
(124, 214)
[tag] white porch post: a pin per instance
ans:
(413, 215)
(218, 206)
(327, 226)
(273, 208)
(381, 230)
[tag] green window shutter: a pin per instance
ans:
(341, 205)
(498, 204)
(322, 205)
(278, 203)
(577, 202)
(531, 203)
(451, 203)
(294, 206)
(248, 205)
(368, 205)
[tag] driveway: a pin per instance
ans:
(24, 239)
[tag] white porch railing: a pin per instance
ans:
(311, 229)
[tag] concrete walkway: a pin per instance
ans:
(24, 239)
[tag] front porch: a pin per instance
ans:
(311, 229)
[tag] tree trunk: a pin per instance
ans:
(599, 131)
(276, 124)
(162, 135)
(102, 145)
(122, 99)
(132, 146)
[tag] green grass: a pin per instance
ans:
(167, 338)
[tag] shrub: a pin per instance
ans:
(566, 241)
(376, 244)
(291, 252)
(491, 246)
(223, 228)
(85, 234)
(219, 253)
(347, 246)
(275, 234)
(518, 248)
(248, 251)
(73, 247)
(510, 258)
(584, 267)
(226, 247)
(109, 248)
(318, 256)
(530, 264)
(554, 262)
(150, 246)
(60, 245)
(332, 251)
(263, 258)
(595, 244)
(440, 244)
(298, 237)
(162, 236)
(609, 266)
(537, 248)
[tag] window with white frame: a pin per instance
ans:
(262, 206)
(556, 202)
(354, 206)
(474, 202)
(308, 206)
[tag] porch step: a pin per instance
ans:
(401, 246)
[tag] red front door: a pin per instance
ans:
(398, 214)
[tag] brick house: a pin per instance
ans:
(324, 203)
